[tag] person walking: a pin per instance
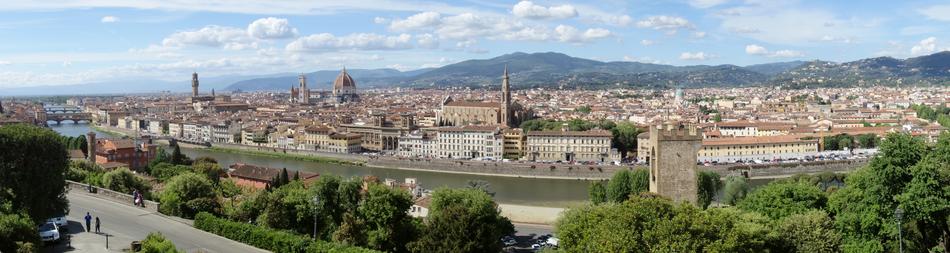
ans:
(97, 224)
(88, 220)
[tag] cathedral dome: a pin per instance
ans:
(344, 82)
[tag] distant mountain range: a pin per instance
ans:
(559, 70)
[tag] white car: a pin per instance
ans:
(49, 232)
(60, 221)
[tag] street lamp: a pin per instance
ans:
(316, 205)
(899, 214)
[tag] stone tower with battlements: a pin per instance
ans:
(194, 84)
(673, 151)
(91, 147)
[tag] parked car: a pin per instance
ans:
(60, 220)
(49, 232)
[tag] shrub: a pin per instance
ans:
(122, 180)
(156, 243)
(267, 239)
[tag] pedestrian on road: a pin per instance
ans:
(97, 224)
(88, 220)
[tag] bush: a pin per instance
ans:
(122, 180)
(267, 239)
(188, 194)
(165, 171)
(156, 243)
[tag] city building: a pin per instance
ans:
(381, 134)
(344, 89)
(417, 144)
(324, 139)
(126, 151)
(572, 146)
(470, 142)
(764, 148)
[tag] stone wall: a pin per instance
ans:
(103, 193)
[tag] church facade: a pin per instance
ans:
(505, 112)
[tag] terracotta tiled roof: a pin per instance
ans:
(757, 140)
(259, 173)
(472, 104)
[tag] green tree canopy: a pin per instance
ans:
(597, 192)
(389, 227)
(124, 181)
(33, 164)
(708, 185)
(463, 220)
(781, 199)
(734, 190)
(155, 242)
(188, 194)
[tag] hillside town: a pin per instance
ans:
(500, 123)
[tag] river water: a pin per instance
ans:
(508, 190)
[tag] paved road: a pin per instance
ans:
(125, 223)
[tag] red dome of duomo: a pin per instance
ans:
(344, 82)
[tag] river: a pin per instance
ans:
(508, 190)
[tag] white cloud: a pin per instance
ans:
(699, 35)
(271, 28)
(358, 41)
(212, 36)
(527, 9)
(641, 59)
(754, 49)
(647, 42)
(567, 33)
(380, 20)
(778, 22)
(787, 54)
(697, 56)
(925, 46)
(418, 21)
(427, 41)
(668, 23)
(109, 19)
(5, 62)
(706, 3)
(937, 12)
(470, 26)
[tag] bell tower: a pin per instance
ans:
(194, 84)
(505, 99)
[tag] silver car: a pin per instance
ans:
(49, 232)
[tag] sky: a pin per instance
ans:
(60, 42)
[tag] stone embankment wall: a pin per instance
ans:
(787, 169)
(103, 193)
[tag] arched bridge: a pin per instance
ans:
(74, 116)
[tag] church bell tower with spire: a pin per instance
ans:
(505, 99)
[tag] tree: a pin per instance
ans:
(625, 137)
(188, 194)
(868, 140)
(734, 190)
(179, 158)
(17, 231)
(213, 171)
(640, 180)
(155, 242)
(463, 220)
(708, 185)
(864, 208)
(481, 185)
(651, 223)
(619, 187)
(812, 231)
(33, 164)
(780, 199)
(165, 171)
(583, 109)
(160, 157)
(352, 231)
(122, 180)
(597, 192)
(389, 227)
(205, 159)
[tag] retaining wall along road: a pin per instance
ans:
(104, 193)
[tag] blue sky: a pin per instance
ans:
(67, 42)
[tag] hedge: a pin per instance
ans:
(269, 239)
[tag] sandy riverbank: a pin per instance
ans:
(531, 214)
